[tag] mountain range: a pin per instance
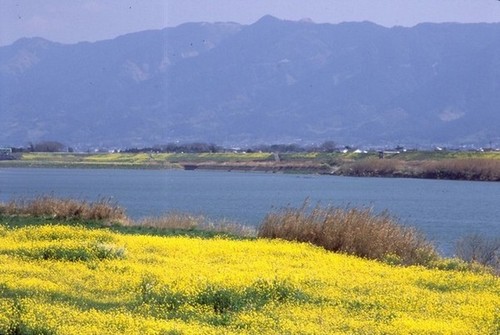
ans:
(274, 81)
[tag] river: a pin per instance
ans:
(443, 210)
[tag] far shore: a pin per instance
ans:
(476, 166)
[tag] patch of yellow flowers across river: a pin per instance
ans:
(57, 279)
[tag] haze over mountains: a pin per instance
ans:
(274, 81)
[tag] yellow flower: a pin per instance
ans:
(73, 280)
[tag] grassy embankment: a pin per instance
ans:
(416, 164)
(66, 271)
(131, 160)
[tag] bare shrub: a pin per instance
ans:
(185, 221)
(475, 248)
(8, 208)
(106, 210)
(359, 232)
(66, 209)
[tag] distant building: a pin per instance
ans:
(6, 154)
(6, 151)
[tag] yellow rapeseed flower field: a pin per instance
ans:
(74, 280)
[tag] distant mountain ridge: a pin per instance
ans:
(273, 81)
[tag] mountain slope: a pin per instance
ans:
(272, 81)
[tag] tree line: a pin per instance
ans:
(193, 147)
(44, 146)
(200, 147)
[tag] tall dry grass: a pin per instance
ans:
(66, 209)
(106, 211)
(372, 167)
(456, 168)
(183, 221)
(359, 232)
(462, 169)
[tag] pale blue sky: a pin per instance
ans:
(71, 21)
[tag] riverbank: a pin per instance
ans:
(62, 275)
(478, 166)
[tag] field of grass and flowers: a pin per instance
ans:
(94, 160)
(138, 159)
(83, 268)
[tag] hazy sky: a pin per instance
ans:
(71, 21)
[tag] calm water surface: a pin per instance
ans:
(444, 210)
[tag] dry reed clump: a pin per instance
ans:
(463, 169)
(456, 168)
(67, 209)
(183, 221)
(353, 231)
(373, 167)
